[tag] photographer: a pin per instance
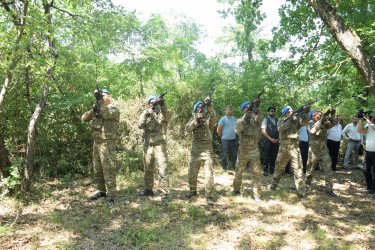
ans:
(370, 152)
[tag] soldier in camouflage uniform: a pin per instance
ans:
(154, 122)
(249, 129)
(202, 125)
(318, 152)
(289, 149)
(105, 119)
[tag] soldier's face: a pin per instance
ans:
(245, 108)
(228, 111)
(151, 103)
(316, 116)
(289, 112)
(106, 97)
(271, 113)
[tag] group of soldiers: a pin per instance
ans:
(154, 121)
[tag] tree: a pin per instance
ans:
(348, 41)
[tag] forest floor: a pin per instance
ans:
(61, 217)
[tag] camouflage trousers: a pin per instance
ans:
(289, 151)
(247, 154)
(318, 154)
(151, 153)
(104, 161)
(201, 153)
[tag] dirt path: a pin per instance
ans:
(61, 217)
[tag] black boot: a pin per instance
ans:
(110, 203)
(146, 193)
(191, 194)
(97, 196)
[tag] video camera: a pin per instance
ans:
(361, 114)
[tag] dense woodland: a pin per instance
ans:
(52, 53)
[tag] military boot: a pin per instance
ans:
(210, 201)
(235, 192)
(164, 201)
(191, 194)
(97, 196)
(146, 193)
(110, 203)
(331, 193)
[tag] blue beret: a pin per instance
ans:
(105, 91)
(244, 105)
(196, 105)
(152, 97)
(311, 113)
(285, 109)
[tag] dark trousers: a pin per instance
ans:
(231, 146)
(333, 149)
(370, 168)
(304, 148)
(270, 155)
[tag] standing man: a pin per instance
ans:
(154, 121)
(304, 146)
(289, 150)
(202, 125)
(370, 153)
(333, 141)
(318, 153)
(271, 141)
(105, 119)
(350, 133)
(225, 130)
(248, 127)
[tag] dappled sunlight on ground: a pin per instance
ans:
(60, 216)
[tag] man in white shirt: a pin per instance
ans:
(350, 133)
(370, 153)
(333, 141)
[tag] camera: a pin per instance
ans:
(361, 114)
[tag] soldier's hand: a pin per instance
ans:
(257, 102)
(98, 95)
(306, 107)
(199, 115)
(207, 101)
(149, 112)
(161, 101)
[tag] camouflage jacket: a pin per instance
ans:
(318, 130)
(154, 124)
(249, 128)
(289, 129)
(202, 128)
(104, 128)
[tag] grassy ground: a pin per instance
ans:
(61, 217)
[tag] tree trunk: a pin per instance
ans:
(30, 151)
(348, 41)
(4, 160)
(31, 137)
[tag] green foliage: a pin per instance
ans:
(98, 41)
